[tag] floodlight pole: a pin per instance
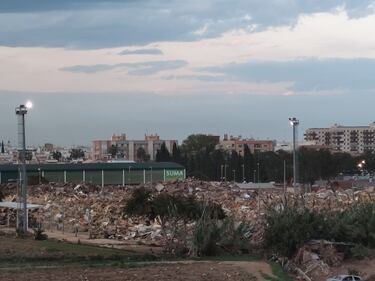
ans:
(21, 111)
(295, 122)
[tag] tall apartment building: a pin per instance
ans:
(237, 143)
(128, 148)
(352, 139)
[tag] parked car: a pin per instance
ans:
(345, 278)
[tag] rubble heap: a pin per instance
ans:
(100, 211)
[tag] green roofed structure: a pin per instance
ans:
(97, 173)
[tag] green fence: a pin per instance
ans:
(101, 177)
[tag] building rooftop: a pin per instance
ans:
(93, 166)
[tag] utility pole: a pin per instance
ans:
(243, 172)
(295, 122)
(284, 176)
(225, 172)
(21, 111)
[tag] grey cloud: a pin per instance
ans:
(21, 6)
(308, 74)
(199, 77)
(101, 23)
(91, 68)
(142, 52)
(139, 69)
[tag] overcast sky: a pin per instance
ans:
(93, 68)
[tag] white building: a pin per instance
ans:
(352, 139)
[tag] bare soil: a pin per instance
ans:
(27, 259)
(173, 272)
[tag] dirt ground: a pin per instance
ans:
(210, 271)
(27, 259)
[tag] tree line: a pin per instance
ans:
(198, 154)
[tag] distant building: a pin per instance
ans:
(284, 145)
(48, 147)
(351, 139)
(238, 144)
(128, 149)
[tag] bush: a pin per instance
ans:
(39, 234)
(214, 234)
(139, 202)
(357, 225)
(360, 252)
(174, 212)
(288, 229)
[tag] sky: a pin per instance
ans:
(242, 67)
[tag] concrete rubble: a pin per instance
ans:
(100, 212)
(89, 208)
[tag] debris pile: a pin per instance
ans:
(100, 211)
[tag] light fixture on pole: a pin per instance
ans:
(21, 111)
(294, 122)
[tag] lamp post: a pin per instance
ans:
(221, 172)
(295, 122)
(243, 172)
(39, 176)
(21, 111)
(284, 175)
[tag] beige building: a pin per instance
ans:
(238, 144)
(352, 139)
(128, 149)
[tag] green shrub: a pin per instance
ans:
(360, 252)
(288, 229)
(139, 202)
(39, 234)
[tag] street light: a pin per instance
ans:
(243, 172)
(39, 176)
(129, 174)
(21, 111)
(254, 171)
(361, 166)
(294, 122)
